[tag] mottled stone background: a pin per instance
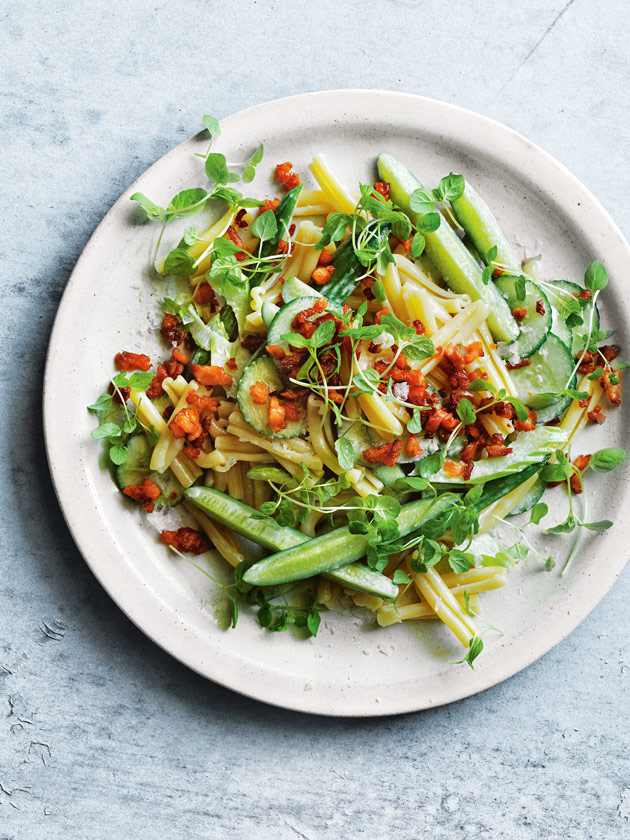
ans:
(103, 735)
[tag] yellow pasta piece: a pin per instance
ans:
(202, 251)
(390, 614)
(293, 449)
(168, 446)
(336, 193)
(420, 307)
(442, 610)
(222, 538)
(327, 591)
(393, 290)
(308, 197)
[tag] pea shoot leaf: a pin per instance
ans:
(212, 126)
(596, 276)
(465, 411)
(150, 208)
(265, 226)
(538, 512)
(345, 453)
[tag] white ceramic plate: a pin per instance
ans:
(350, 669)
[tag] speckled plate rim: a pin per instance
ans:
(515, 153)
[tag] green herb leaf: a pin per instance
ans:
(538, 512)
(140, 380)
(607, 459)
(452, 187)
(212, 126)
(422, 201)
(179, 263)
(187, 202)
(602, 525)
(430, 465)
(429, 222)
(313, 621)
(417, 245)
(216, 168)
(106, 430)
(102, 403)
(414, 426)
(460, 561)
(481, 385)
(118, 454)
(520, 287)
(466, 411)
(486, 275)
(596, 277)
(152, 210)
(401, 578)
(265, 226)
(522, 413)
(345, 452)
(565, 527)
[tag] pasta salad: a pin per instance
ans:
(364, 382)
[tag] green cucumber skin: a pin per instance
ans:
(388, 475)
(529, 447)
(500, 487)
(266, 532)
(263, 368)
(269, 472)
(546, 374)
(284, 213)
(335, 549)
(481, 225)
(448, 253)
(550, 412)
(533, 497)
(534, 328)
(359, 576)
(281, 324)
(579, 332)
(346, 275)
(268, 312)
(340, 547)
(240, 518)
(293, 288)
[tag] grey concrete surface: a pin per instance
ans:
(102, 735)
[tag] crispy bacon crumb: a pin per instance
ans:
(202, 403)
(210, 375)
(520, 364)
(186, 540)
(382, 187)
(147, 492)
(325, 258)
(519, 313)
(540, 306)
(596, 415)
(526, 425)
(581, 462)
(277, 415)
(170, 329)
(132, 361)
(412, 447)
(186, 424)
(259, 393)
(286, 176)
(322, 274)
(387, 453)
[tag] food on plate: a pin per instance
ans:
(365, 382)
